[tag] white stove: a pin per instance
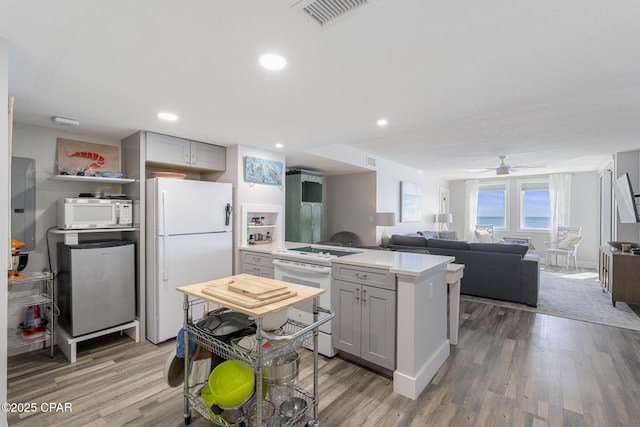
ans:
(311, 266)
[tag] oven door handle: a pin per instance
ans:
(302, 267)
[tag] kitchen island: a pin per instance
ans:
(421, 344)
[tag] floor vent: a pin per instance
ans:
(324, 12)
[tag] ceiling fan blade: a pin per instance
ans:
(527, 166)
(480, 170)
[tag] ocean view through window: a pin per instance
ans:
(526, 208)
(491, 207)
(535, 208)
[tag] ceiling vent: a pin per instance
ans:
(324, 12)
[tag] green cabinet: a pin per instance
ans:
(303, 207)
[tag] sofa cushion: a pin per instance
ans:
(499, 248)
(429, 234)
(448, 244)
(399, 240)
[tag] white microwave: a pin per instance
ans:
(88, 213)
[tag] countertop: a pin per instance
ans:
(404, 263)
(271, 247)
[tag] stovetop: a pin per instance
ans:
(315, 253)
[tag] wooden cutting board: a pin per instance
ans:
(224, 293)
(257, 288)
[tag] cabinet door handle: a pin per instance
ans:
(361, 276)
(193, 159)
(357, 294)
(186, 158)
(364, 296)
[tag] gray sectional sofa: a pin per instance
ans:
(492, 270)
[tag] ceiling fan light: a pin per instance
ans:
(502, 171)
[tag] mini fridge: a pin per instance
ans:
(96, 285)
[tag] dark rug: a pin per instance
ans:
(576, 295)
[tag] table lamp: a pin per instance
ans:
(444, 219)
(385, 219)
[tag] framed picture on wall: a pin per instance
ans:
(262, 171)
(410, 202)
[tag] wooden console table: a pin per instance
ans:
(619, 274)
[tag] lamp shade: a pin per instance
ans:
(446, 218)
(385, 218)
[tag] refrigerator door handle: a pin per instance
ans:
(163, 214)
(165, 274)
(227, 210)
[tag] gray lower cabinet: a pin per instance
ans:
(257, 263)
(364, 302)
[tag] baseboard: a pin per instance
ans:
(411, 387)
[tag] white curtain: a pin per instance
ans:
(471, 212)
(560, 195)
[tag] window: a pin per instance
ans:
(535, 205)
(492, 205)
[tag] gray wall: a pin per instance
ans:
(350, 203)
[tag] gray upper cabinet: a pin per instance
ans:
(181, 152)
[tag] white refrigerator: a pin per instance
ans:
(188, 240)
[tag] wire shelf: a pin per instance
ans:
(26, 301)
(198, 404)
(271, 351)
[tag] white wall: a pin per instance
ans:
(4, 219)
(584, 210)
(251, 193)
(389, 177)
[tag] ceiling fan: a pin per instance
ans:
(504, 169)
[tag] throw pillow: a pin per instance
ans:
(428, 234)
(569, 242)
(448, 235)
(483, 236)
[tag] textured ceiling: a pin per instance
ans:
(545, 83)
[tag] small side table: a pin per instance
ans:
(454, 274)
(519, 240)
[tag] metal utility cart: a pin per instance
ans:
(22, 296)
(290, 337)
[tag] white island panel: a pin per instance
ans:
(422, 344)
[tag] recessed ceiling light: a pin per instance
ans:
(271, 61)
(279, 145)
(382, 122)
(170, 117)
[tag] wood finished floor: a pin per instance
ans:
(510, 368)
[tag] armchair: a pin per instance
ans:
(566, 244)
